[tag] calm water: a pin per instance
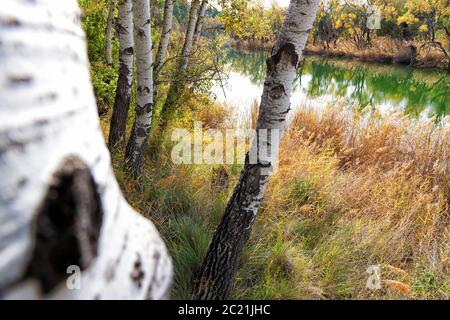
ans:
(322, 81)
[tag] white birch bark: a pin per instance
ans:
(165, 37)
(49, 121)
(189, 39)
(144, 96)
(117, 128)
(216, 275)
(200, 21)
(109, 33)
(163, 46)
(176, 86)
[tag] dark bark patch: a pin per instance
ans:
(154, 280)
(67, 225)
(148, 107)
(20, 79)
(140, 132)
(293, 24)
(128, 51)
(22, 182)
(287, 110)
(137, 274)
(143, 90)
(9, 22)
(287, 50)
(277, 92)
(51, 96)
(120, 28)
(146, 90)
(156, 256)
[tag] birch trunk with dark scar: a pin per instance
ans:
(117, 128)
(200, 21)
(215, 277)
(109, 33)
(134, 155)
(163, 44)
(60, 205)
(177, 87)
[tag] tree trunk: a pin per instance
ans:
(165, 36)
(109, 33)
(176, 87)
(188, 41)
(200, 21)
(134, 156)
(154, 12)
(61, 209)
(215, 278)
(163, 44)
(117, 129)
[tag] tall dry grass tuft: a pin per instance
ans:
(384, 50)
(384, 179)
(390, 142)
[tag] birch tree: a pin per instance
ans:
(176, 86)
(215, 277)
(134, 155)
(200, 21)
(61, 209)
(109, 33)
(121, 107)
(188, 41)
(165, 37)
(163, 44)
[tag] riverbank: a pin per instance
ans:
(323, 80)
(353, 191)
(382, 50)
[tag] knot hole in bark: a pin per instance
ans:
(67, 225)
(285, 53)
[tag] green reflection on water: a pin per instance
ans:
(369, 85)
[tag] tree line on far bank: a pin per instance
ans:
(422, 23)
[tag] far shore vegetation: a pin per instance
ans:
(414, 32)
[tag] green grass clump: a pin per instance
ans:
(188, 239)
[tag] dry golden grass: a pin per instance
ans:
(352, 190)
(387, 177)
(382, 49)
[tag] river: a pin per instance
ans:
(323, 81)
